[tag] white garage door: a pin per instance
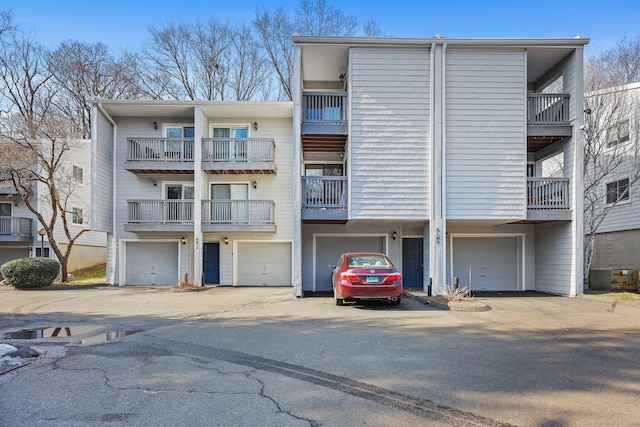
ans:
(493, 261)
(264, 264)
(151, 263)
(329, 249)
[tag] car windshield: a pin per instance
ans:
(367, 261)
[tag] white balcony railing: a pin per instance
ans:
(548, 193)
(243, 212)
(322, 107)
(160, 149)
(238, 150)
(15, 226)
(548, 109)
(160, 211)
(324, 192)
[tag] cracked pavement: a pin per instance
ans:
(257, 356)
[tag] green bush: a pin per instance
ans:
(30, 272)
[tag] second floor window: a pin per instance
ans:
(5, 209)
(78, 175)
(77, 216)
(618, 133)
(618, 191)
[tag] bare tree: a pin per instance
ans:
(39, 169)
(83, 71)
(249, 72)
(611, 150)
(310, 18)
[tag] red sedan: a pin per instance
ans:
(366, 276)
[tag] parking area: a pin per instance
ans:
(531, 360)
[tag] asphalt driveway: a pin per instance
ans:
(258, 356)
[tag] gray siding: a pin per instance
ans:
(102, 175)
(555, 257)
(389, 147)
(485, 139)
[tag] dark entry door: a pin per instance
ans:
(211, 263)
(412, 263)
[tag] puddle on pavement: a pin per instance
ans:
(79, 335)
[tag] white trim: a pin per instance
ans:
(241, 125)
(122, 249)
(176, 125)
(386, 237)
(522, 285)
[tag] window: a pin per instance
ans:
(618, 133)
(39, 252)
(5, 209)
(78, 173)
(618, 191)
(177, 210)
(229, 206)
(180, 148)
(77, 216)
(231, 141)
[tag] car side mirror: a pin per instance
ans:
(331, 266)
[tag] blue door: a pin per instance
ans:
(412, 263)
(211, 263)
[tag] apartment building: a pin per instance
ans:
(22, 235)
(439, 153)
(195, 191)
(616, 117)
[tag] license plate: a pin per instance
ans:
(372, 279)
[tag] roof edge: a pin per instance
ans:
(389, 41)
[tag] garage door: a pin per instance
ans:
(493, 261)
(329, 249)
(151, 263)
(264, 264)
(7, 255)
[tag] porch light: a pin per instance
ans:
(394, 235)
(155, 125)
(183, 240)
(255, 125)
(255, 184)
(226, 240)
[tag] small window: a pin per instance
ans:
(77, 216)
(39, 252)
(78, 174)
(618, 134)
(5, 209)
(618, 191)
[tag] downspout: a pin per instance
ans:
(112, 277)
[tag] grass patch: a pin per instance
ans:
(620, 295)
(94, 275)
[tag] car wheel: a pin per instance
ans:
(396, 302)
(339, 301)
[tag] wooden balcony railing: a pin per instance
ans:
(548, 109)
(548, 193)
(15, 227)
(160, 149)
(324, 192)
(323, 107)
(243, 212)
(160, 211)
(238, 150)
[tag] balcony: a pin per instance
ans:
(159, 215)
(238, 215)
(548, 199)
(324, 121)
(547, 119)
(238, 155)
(16, 229)
(217, 215)
(324, 198)
(159, 155)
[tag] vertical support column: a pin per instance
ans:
(199, 124)
(437, 223)
(297, 174)
(576, 199)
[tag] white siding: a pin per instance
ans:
(485, 138)
(555, 257)
(102, 175)
(389, 134)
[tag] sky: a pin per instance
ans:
(123, 24)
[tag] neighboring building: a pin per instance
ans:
(434, 151)
(202, 189)
(438, 152)
(19, 227)
(617, 245)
